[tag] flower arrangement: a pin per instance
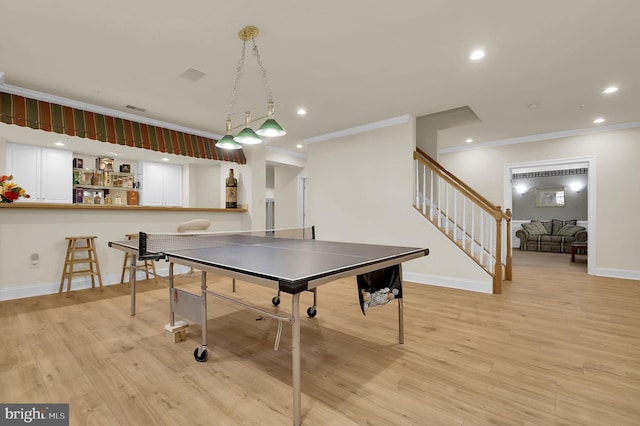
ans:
(10, 191)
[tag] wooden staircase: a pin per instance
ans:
(480, 229)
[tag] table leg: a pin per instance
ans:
(203, 286)
(172, 316)
(573, 254)
(400, 322)
(132, 279)
(295, 358)
(400, 313)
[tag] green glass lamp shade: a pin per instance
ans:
(227, 142)
(248, 137)
(271, 129)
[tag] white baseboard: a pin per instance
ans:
(617, 273)
(78, 283)
(469, 285)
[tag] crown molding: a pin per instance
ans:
(359, 129)
(285, 152)
(542, 137)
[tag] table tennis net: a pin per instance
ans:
(154, 245)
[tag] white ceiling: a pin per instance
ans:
(349, 63)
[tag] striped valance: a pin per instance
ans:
(50, 117)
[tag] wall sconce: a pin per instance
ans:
(576, 186)
(520, 189)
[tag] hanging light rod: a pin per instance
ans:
(270, 128)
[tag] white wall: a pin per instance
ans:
(360, 190)
(286, 195)
(206, 186)
(252, 184)
(616, 193)
(43, 231)
(285, 186)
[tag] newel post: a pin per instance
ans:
(507, 271)
(497, 273)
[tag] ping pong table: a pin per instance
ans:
(289, 261)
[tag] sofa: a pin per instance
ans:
(551, 235)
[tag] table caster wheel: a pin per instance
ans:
(200, 354)
(275, 301)
(311, 312)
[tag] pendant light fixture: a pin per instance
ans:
(227, 141)
(270, 128)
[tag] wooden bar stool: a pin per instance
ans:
(70, 261)
(148, 265)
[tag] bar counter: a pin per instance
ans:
(33, 246)
(45, 206)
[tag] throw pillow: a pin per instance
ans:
(558, 224)
(569, 230)
(535, 228)
(548, 226)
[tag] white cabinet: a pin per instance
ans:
(45, 173)
(161, 184)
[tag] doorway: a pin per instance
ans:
(271, 214)
(567, 163)
(302, 201)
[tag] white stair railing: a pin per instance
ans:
(480, 229)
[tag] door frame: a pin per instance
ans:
(591, 197)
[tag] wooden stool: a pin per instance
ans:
(149, 265)
(91, 259)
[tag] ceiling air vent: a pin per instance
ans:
(135, 108)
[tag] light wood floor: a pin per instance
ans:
(558, 347)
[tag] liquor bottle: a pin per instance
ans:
(231, 191)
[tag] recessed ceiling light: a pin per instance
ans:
(165, 159)
(468, 140)
(610, 89)
(477, 54)
(59, 144)
(299, 146)
(302, 111)
(598, 120)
